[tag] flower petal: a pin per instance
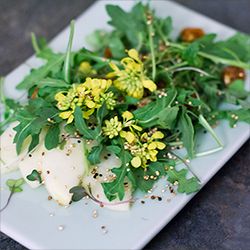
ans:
(136, 127)
(127, 115)
(134, 54)
(152, 145)
(160, 145)
(113, 66)
(90, 103)
(123, 134)
(65, 115)
(157, 135)
(149, 85)
(136, 162)
(130, 137)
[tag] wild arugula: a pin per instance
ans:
(140, 94)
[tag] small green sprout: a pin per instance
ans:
(14, 186)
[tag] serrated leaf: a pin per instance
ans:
(186, 127)
(112, 189)
(81, 125)
(114, 149)
(40, 73)
(52, 137)
(187, 186)
(93, 156)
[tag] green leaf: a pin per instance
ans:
(142, 176)
(81, 125)
(38, 74)
(115, 149)
(52, 137)
(241, 114)
(50, 82)
(34, 176)
(78, 193)
(158, 113)
(190, 53)
(187, 186)
(93, 156)
(116, 187)
(186, 127)
(122, 22)
(131, 100)
(15, 183)
(237, 85)
(117, 47)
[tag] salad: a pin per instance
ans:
(120, 113)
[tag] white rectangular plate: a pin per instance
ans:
(27, 218)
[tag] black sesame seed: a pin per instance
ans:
(79, 141)
(109, 154)
(159, 198)
(205, 131)
(30, 155)
(100, 175)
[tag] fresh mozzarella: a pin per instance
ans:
(8, 149)
(102, 173)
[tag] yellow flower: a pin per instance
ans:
(86, 69)
(132, 79)
(112, 128)
(89, 95)
(128, 122)
(143, 148)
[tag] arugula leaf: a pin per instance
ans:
(158, 113)
(142, 177)
(116, 187)
(53, 64)
(93, 156)
(81, 125)
(115, 149)
(51, 82)
(124, 22)
(33, 118)
(117, 47)
(52, 137)
(240, 114)
(190, 53)
(187, 186)
(186, 128)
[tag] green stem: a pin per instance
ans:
(183, 161)
(213, 58)
(177, 65)
(208, 152)
(150, 29)
(100, 59)
(206, 125)
(2, 161)
(34, 43)
(66, 65)
(85, 151)
(177, 143)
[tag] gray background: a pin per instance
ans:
(218, 216)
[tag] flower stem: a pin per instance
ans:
(150, 29)
(205, 124)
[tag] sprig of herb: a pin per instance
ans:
(14, 187)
